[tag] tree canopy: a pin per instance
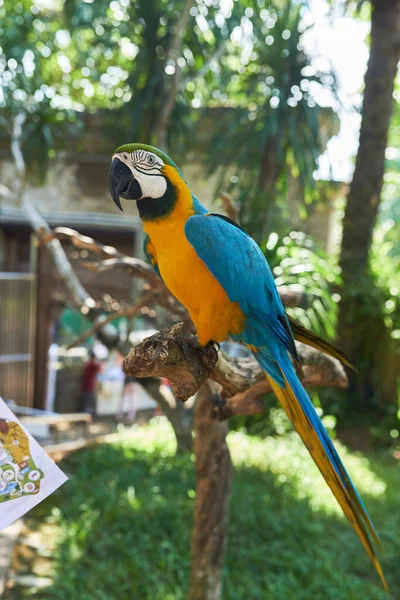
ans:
(62, 59)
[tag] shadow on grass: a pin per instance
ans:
(126, 518)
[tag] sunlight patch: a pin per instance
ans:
(289, 460)
(285, 457)
(156, 435)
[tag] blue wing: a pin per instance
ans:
(238, 264)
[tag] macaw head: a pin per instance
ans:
(147, 175)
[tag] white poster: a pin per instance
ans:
(27, 474)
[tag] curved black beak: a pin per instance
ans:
(122, 183)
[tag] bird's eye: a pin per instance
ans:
(151, 160)
(125, 156)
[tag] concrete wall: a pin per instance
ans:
(79, 184)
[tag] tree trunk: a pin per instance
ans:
(264, 201)
(174, 52)
(179, 414)
(359, 307)
(214, 476)
(181, 419)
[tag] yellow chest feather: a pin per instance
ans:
(183, 272)
(191, 282)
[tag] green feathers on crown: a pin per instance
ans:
(159, 153)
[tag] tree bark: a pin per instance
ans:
(16, 151)
(359, 312)
(174, 53)
(264, 202)
(79, 296)
(187, 366)
(214, 477)
(179, 414)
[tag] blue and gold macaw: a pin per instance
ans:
(215, 269)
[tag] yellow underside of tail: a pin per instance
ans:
(350, 504)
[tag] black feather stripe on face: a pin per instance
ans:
(151, 209)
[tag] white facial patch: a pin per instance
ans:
(146, 167)
(153, 186)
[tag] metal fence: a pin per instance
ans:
(17, 336)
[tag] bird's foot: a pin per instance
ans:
(216, 344)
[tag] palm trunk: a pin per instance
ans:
(358, 307)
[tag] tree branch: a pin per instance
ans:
(101, 322)
(173, 55)
(77, 240)
(213, 482)
(179, 359)
(16, 139)
(133, 266)
(79, 296)
(187, 366)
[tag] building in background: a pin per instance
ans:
(34, 311)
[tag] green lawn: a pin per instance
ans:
(123, 523)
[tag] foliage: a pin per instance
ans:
(61, 59)
(123, 523)
(31, 78)
(272, 85)
(72, 324)
(301, 266)
(128, 63)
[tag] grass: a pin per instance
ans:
(123, 523)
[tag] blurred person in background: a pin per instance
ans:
(91, 369)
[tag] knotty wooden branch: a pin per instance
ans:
(243, 384)
(83, 242)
